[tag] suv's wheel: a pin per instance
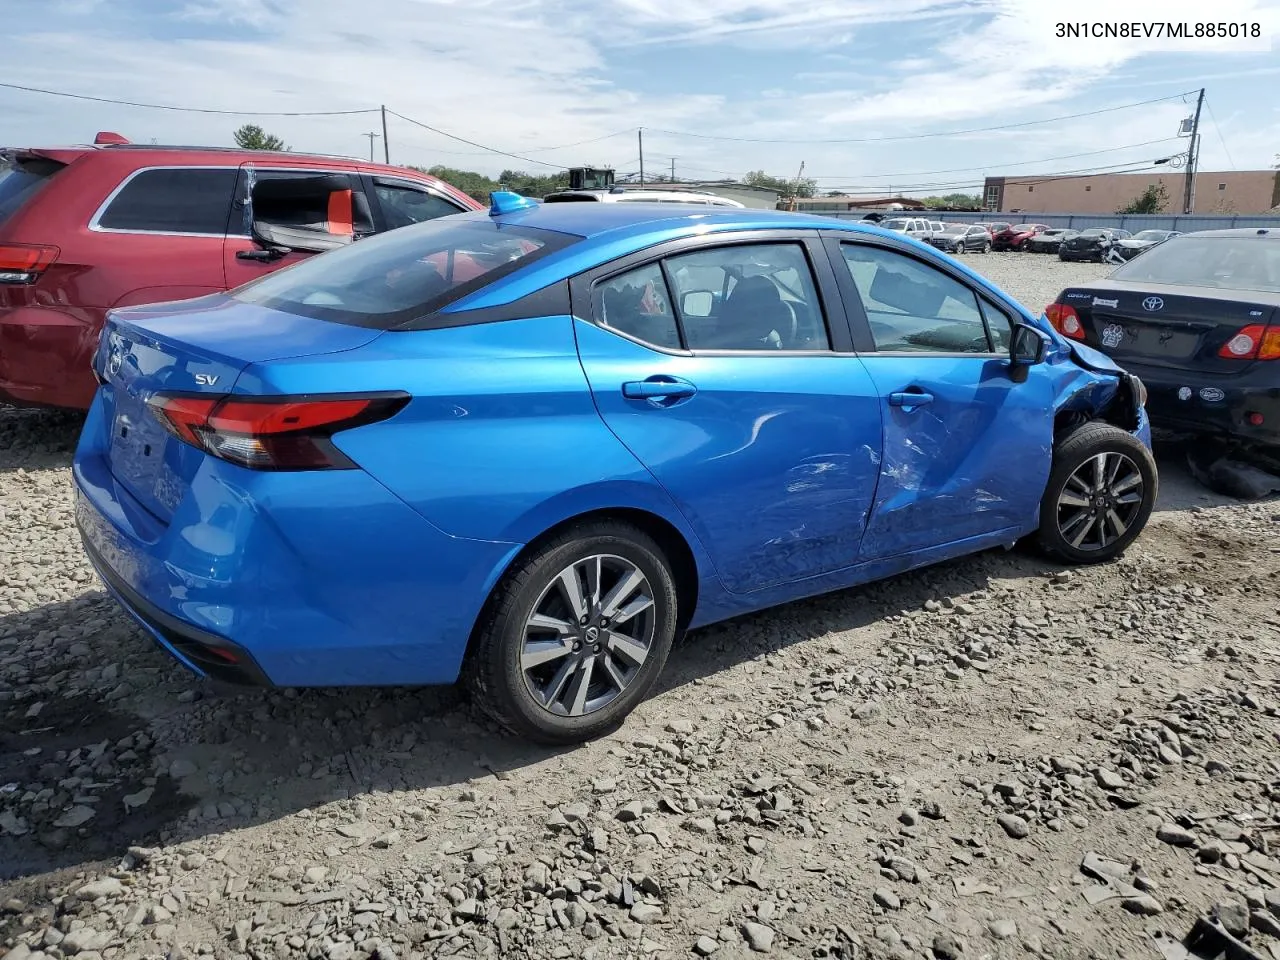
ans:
(1100, 494)
(575, 634)
(986, 247)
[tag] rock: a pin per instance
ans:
(83, 940)
(909, 817)
(181, 768)
(1168, 755)
(1002, 929)
(193, 861)
(1144, 905)
(1265, 922)
(646, 913)
(947, 947)
(630, 812)
(13, 905)
(106, 887)
(342, 950)
(1175, 835)
(1234, 917)
(315, 874)
(77, 816)
(139, 799)
(705, 946)
(887, 898)
(1108, 779)
(507, 919)
(1014, 825)
(759, 937)
(354, 831)
(387, 840)
(681, 728)
(1273, 902)
(469, 909)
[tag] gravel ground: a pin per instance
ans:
(991, 758)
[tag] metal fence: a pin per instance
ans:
(1082, 221)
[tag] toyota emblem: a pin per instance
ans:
(1151, 304)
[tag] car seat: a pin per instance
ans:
(755, 314)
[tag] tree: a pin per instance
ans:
(963, 201)
(784, 186)
(479, 186)
(253, 137)
(1152, 200)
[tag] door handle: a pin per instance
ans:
(909, 399)
(658, 388)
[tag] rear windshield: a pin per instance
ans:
(19, 181)
(1024, 228)
(894, 224)
(1092, 232)
(1242, 263)
(1150, 235)
(404, 274)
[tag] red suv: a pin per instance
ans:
(85, 229)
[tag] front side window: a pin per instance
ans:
(913, 307)
(405, 205)
(177, 200)
(402, 275)
(754, 296)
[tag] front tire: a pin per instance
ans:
(575, 634)
(986, 247)
(1101, 491)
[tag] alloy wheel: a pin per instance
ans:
(1100, 501)
(589, 635)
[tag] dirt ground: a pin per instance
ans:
(996, 757)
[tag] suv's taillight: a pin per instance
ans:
(23, 263)
(1065, 320)
(272, 433)
(1254, 342)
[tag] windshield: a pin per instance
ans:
(403, 274)
(1024, 228)
(1152, 235)
(955, 230)
(20, 179)
(1243, 263)
(997, 227)
(894, 224)
(1091, 232)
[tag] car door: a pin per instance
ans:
(966, 449)
(713, 361)
(243, 259)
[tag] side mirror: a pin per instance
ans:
(1027, 348)
(697, 303)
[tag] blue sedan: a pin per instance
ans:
(531, 447)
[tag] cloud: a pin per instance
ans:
(523, 75)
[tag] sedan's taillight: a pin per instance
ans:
(1065, 320)
(1254, 342)
(272, 433)
(23, 263)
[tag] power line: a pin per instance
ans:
(1029, 180)
(164, 106)
(986, 166)
(927, 136)
(1218, 130)
(472, 143)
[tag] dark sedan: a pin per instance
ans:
(1013, 238)
(1049, 241)
(959, 238)
(1143, 240)
(1197, 319)
(1091, 244)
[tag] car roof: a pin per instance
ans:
(1258, 233)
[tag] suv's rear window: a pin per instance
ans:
(402, 275)
(172, 200)
(19, 181)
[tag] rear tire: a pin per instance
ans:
(575, 634)
(986, 247)
(1101, 491)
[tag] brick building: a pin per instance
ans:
(1234, 192)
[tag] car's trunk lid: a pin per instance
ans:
(1175, 327)
(193, 347)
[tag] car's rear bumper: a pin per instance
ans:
(321, 578)
(1190, 402)
(45, 357)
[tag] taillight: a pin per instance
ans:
(1065, 320)
(272, 433)
(23, 263)
(1253, 342)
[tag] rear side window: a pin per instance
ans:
(189, 200)
(20, 180)
(403, 275)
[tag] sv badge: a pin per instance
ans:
(206, 379)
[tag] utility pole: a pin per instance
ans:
(386, 144)
(372, 137)
(640, 139)
(1193, 159)
(673, 169)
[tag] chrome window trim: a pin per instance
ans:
(95, 221)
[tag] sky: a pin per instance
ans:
(870, 95)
